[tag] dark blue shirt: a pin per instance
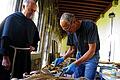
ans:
(86, 34)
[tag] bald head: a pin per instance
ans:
(69, 23)
(26, 2)
(67, 17)
(66, 20)
(29, 8)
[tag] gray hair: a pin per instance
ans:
(67, 16)
(26, 2)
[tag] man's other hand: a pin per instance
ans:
(6, 62)
(70, 69)
(58, 61)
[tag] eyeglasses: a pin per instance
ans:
(70, 25)
(67, 28)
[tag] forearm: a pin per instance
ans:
(89, 54)
(69, 52)
(35, 40)
(85, 57)
(4, 46)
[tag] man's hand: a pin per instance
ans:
(6, 62)
(32, 48)
(58, 61)
(70, 69)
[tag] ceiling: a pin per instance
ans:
(84, 9)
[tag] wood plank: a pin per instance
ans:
(84, 10)
(80, 6)
(82, 3)
(98, 1)
(80, 12)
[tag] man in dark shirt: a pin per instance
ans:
(83, 36)
(18, 37)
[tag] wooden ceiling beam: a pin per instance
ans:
(98, 1)
(91, 18)
(86, 16)
(81, 3)
(79, 12)
(82, 15)
(84, 10)
(106, 9)
(80, 6)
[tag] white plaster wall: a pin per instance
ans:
(104, 25)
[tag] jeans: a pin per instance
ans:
(88, 68)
